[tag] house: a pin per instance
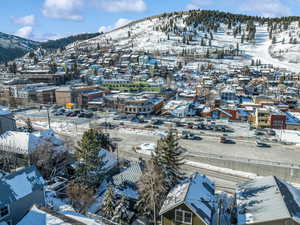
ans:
(7, 122)
(124, 185)
(267, 201)
(19, 191)
(292, 120)
(45, 216)
(190, 202)
(21, 143)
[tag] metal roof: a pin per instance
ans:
(266, 199)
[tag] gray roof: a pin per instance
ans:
(20, 184)
(197, 193)
(267, 199)
(132, 174)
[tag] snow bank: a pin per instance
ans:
(223, 170)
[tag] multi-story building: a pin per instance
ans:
(262, 118)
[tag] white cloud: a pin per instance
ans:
(24, 32)
(46, 36)
(266, 8)
(120, 23)
(25, 20)
(198, 4)
(122, 5)
(63, 9)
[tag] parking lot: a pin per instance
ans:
(133, 131)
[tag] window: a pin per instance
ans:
(4, 211)
(289, 222)
(182, 216)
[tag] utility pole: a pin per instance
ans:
(220, 212)
(153, 201)
(48, 115)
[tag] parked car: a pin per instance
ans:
(262, 144)
(259, 133)
(151, 126)
(225, 140)
(271, 132)
(157, 122)
(179, 124)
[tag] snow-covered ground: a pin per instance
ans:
(146, 36)
(142, 132)
(289, 136)
(260, 50)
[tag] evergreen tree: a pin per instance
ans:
(121, 215)
(207, 53)
(35, 60)
(29, 125)
(31, 54)
(88, 171)
(202, 42)
(152, 191)
(295, 41)
(108, 203)
(273, 40)
(168, 156)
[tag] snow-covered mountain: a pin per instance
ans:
(12, 46)
(208, 34)
(11, 41)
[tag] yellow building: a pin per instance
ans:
(262, 118)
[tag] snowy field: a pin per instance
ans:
(145, 36)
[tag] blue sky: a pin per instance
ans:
(50, 19)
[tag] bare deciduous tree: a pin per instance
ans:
(81, 196)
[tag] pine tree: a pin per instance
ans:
(121, 215)
(168, 156)
(108, 204)
(29, 125)
(35, 60)
(273, 40)
(207, 53)
(202, 42)
(152, 191)
(89, 169)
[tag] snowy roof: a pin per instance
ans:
(48, 217)
(267, 199)
(20, 184)
(197, 193)
(109, 159)
(131, 174)
(37, 216)
(4, 111)
(19, 142)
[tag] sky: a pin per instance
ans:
(42, 20)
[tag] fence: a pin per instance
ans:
(287, 171)
(241, 159)
(101, 219)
